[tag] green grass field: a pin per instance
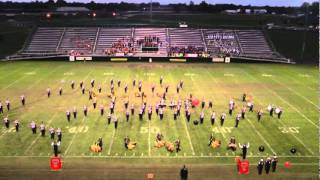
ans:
(292, 87)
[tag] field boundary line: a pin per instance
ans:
(295, 92)
(157, 157)
(294, 108)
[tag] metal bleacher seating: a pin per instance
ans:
(44, 39)
(108, 36)
(95, 40)
(254, 44)
(185, 37)
(140, 33)
(81, 39)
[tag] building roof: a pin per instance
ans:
(72, 9)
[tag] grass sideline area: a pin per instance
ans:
(294, 88)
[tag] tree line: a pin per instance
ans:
(39, 6)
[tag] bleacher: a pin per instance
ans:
(81, 39)
(94, 41)
(254, 44)
(185, 37)
(220, 41)
(44, 39)
(140, 33)
(107, 36)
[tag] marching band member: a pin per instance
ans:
(201, 117)
(33, 127)
(270, 109)
(237, 120)
(23, 99)
(259, 114)
(17, 125)
(48, 92)
(213, 117)
(8, 104)
(222, 118)
(6, 122)
(42, 129)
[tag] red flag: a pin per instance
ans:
(243, 167)
(55, 163)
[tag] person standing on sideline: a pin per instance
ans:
(260, 166)
(23, 99)
(267, 165)
(184, 173)
(244, 148)
(274, 162)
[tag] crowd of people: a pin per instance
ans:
(183, 51)
(149, 42)
(224, 47)
(124, 45)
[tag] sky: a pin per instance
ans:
(242, 2)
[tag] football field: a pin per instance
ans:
(294, 88)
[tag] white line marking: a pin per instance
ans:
(35, 140)
(228, 75)
(275, 93)
(298, 139)
(261, 137)
(147, 157)
(17, 80)
(73, 137)
(43, 78)
(149, 143)
(111, 143)
(295, 92)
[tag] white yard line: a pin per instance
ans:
(188, 135)
(298, 139)
(17, 80)
(35, 140)
(149, 141)
(12, 72)
(294, 108)
(261, 137)
(111, 143)
(254, 128)
(73, 137)
(295, 92)
(39, 80)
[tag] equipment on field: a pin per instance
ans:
(95, 148)
(261, 148)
